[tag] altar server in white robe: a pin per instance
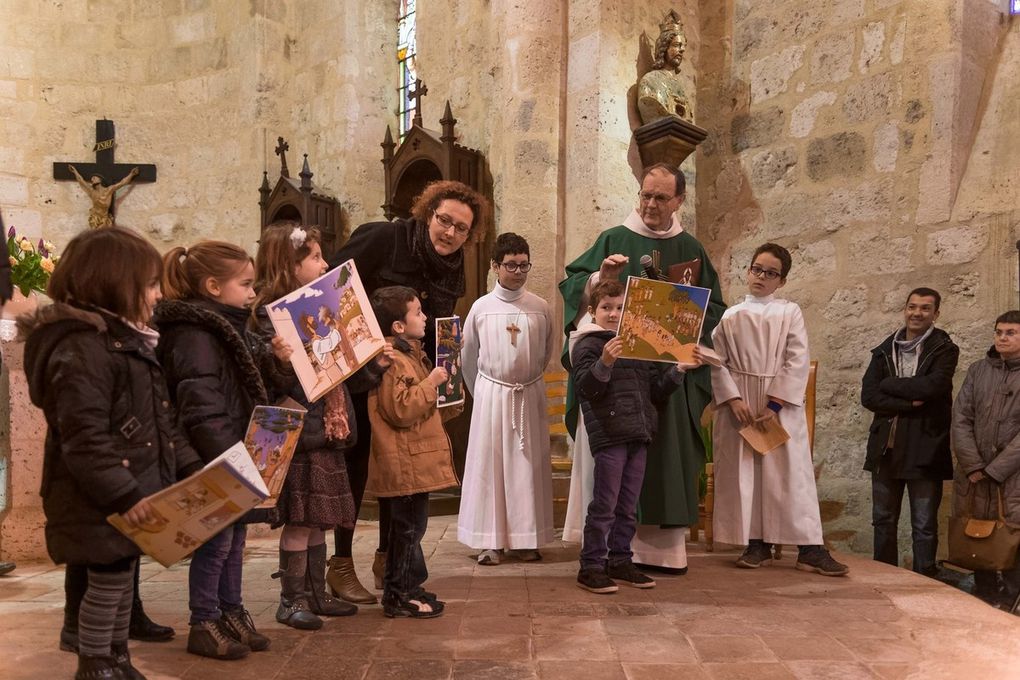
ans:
(509, 338)
(765, 499)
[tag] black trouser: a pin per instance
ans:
(357, 473)
(405, 563)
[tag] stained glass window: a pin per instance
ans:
(406, 51)
(1014, 6)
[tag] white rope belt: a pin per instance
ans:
(515, 403)
(753, 375)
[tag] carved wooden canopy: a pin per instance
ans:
(300, 200)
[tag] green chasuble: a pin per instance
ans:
(676, 457)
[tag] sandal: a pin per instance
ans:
(414, 609)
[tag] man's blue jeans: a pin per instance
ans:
(925, 496)
(612, 513)
(214, 580)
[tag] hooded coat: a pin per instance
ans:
(110, 438)
(214, 371)
(986, 436)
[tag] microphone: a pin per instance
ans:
(650, 271)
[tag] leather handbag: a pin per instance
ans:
(983, 544)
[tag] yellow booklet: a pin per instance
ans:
(197, 508)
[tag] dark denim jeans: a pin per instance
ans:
(214, 580)
(612, 513)
(925, 496)
(405, 562)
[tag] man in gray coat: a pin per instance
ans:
(986, 440)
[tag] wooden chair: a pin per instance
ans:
(556, 410)
(809, 410)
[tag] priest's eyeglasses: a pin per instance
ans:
(761, 273)
(514, 267)
(446, 222)
(648, 197)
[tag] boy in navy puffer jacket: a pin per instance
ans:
(619, 400)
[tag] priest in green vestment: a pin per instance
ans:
(669, 497)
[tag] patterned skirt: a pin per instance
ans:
(316, 492)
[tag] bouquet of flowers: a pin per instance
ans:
(31, 264)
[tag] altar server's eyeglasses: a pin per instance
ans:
(513, 267)
(762, 273)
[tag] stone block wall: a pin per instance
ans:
(866, 136)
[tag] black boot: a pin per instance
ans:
(98, 668)
(294, 609)
(322, 603)
(142, 628)
(122, 657)
(6, 567)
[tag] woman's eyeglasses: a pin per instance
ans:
(445, 221)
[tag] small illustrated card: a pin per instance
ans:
(197, 508)
(271, 439)
(331, 328)
(449, 339)
(765, 436)
(661, 320)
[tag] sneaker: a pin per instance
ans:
(821, 562)
(755, 555)
(242, 629)
(214, 640)
(596, 581)
(629, 574)
(490, 557)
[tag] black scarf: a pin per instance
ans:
(444, 274)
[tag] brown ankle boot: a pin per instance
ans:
(379, 569)
(344, 583)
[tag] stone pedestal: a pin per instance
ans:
(668, 140)
(22, 434)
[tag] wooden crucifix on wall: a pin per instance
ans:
(105, 176)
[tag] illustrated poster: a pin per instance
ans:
(271, 439)
(661, 320)
(330, 325)
(197, 508)
(449, 340)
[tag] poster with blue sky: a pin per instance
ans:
(331, 328)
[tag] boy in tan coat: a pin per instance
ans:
(411, 453)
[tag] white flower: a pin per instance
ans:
(47, 265)
(26, 246)
(298, 237)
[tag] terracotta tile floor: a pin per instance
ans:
(528, 621)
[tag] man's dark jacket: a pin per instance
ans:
(921, 446)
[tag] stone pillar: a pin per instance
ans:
(22, 433)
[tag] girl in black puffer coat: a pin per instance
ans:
(214, 370)
(316, 495)
(111, 439)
